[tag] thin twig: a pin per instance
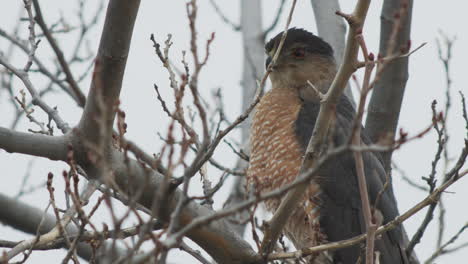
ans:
(58, 52)
(223, 17)
(371, 226)
(275, 18)
(443, 248)
(431, 182)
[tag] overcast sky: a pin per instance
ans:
(145, 118)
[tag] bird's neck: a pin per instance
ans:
(308, 91)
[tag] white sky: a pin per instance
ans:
(426, 83)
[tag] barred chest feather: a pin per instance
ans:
(275, 160)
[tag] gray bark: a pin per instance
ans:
(216, 238)
(385, 104)
(94, 153)
(253, 62)
(98, 116)
(387, 97)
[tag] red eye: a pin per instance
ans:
(299, 53)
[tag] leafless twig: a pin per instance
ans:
(223, 17)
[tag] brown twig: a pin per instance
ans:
(371, 226)
(58, 230)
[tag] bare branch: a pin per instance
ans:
(223, 17)
(368, 217)
(384, 106)
(27, 218)
(275, 18)
(36, 98)
(443, 248)
(60, 227)
(431, 181)
(108, 73)
(52, 147)
(58, 52)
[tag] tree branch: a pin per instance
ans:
(27, 219)
(103, 96)
(368, 217)
(52, 147)
(60, 57)
(385, 103)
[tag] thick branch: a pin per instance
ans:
(385, 104)
(52, 147)
(109, 70)
(129, 175)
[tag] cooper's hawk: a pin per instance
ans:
(281, 129)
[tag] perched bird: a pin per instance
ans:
(282, 126)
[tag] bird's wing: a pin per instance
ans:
(340, 209)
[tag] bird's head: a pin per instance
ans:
(304, 57)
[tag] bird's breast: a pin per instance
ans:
(276, 158)
(276, 154)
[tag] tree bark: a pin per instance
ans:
(253, 62)
(387, 97)
(385, 104)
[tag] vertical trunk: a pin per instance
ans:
(253, 64)
(385, 103)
